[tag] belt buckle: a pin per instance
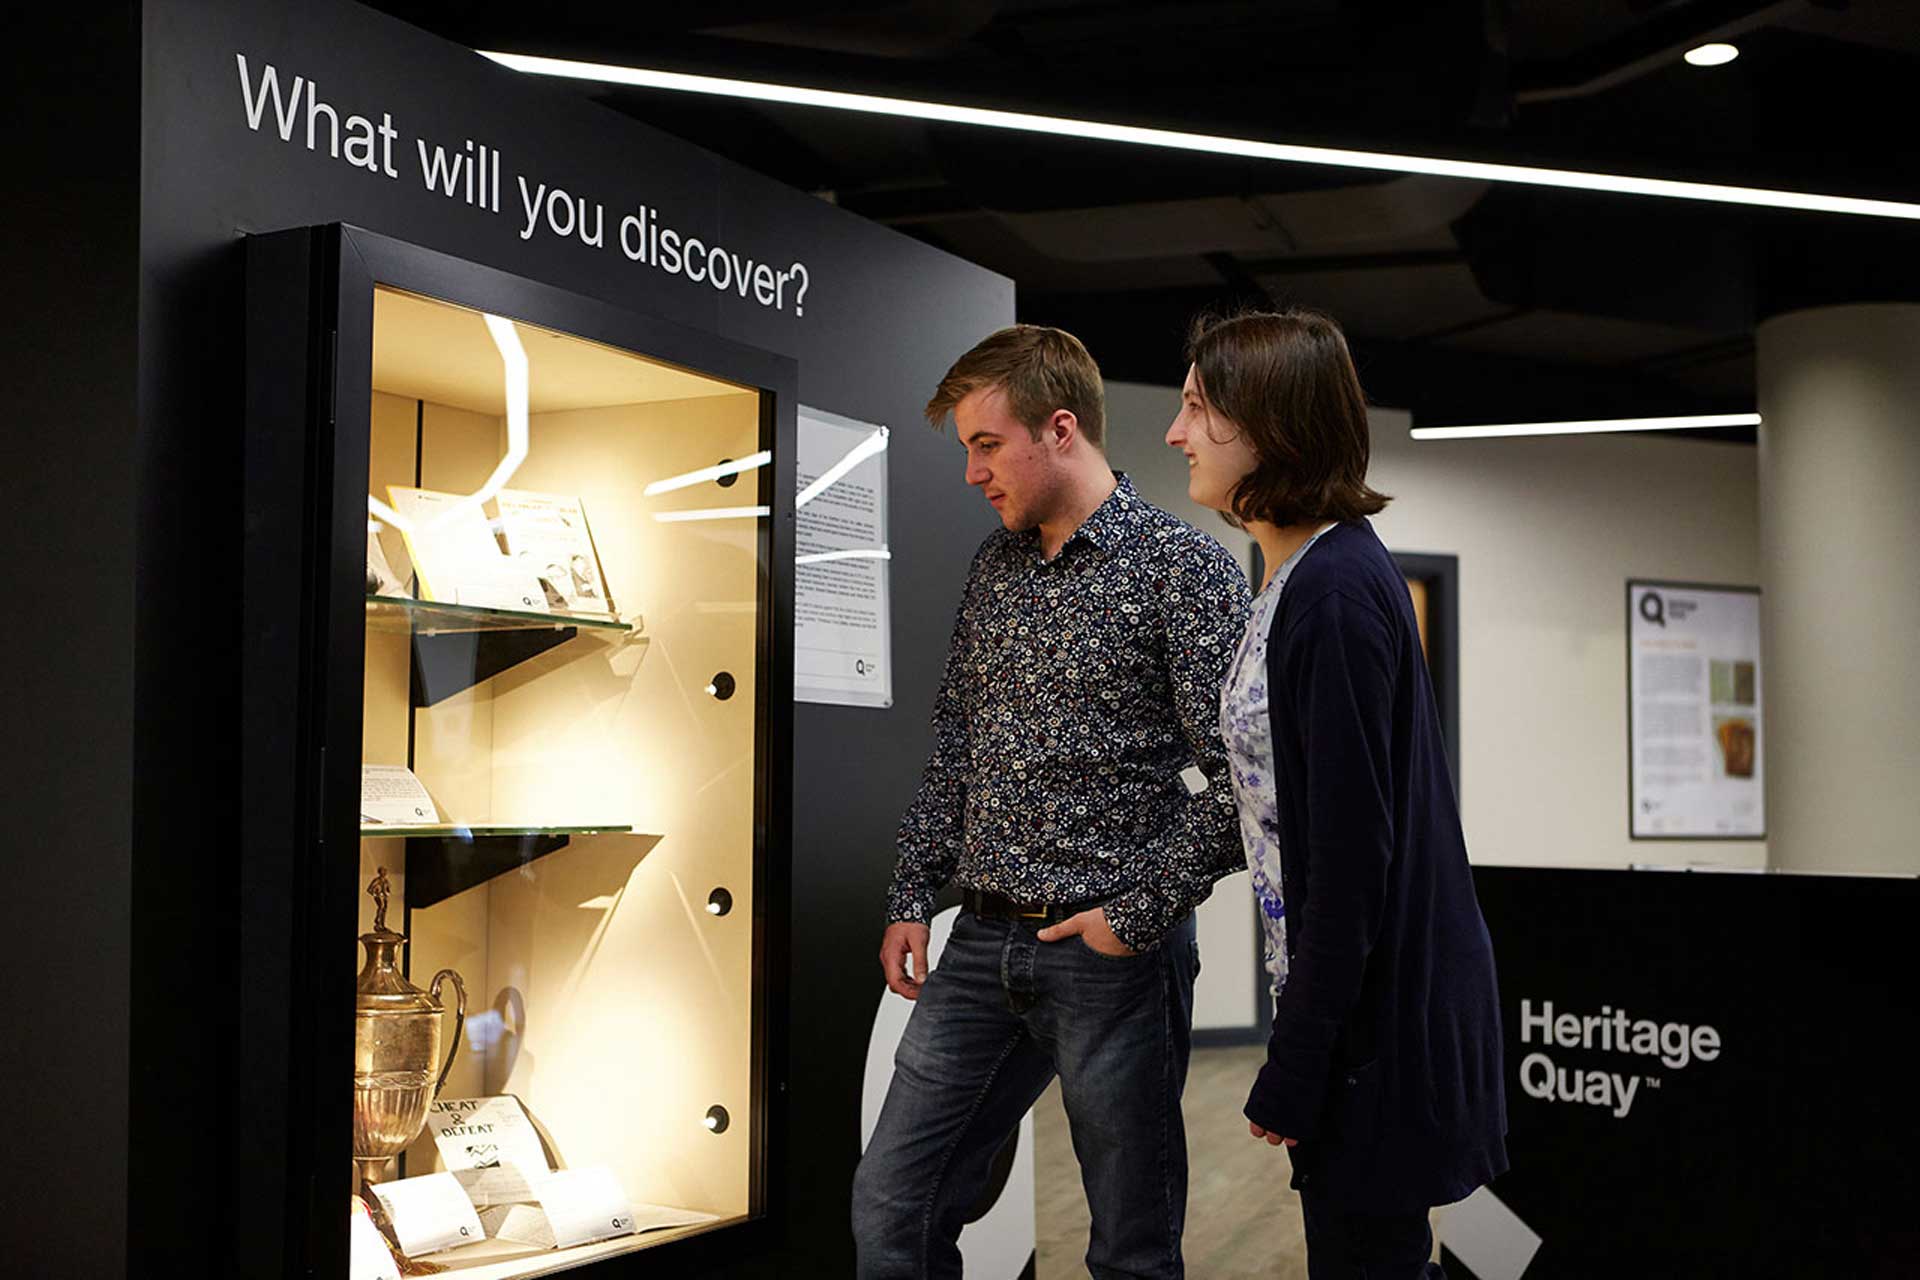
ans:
(1041, 914)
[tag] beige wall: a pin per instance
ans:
(1547, 532)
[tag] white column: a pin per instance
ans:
(1840, 561)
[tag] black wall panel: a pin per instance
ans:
(156, 511)
(67, 495)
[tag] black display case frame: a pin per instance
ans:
(309, 326)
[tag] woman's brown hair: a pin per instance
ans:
(1287, 381)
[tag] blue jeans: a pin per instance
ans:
(999, 1017)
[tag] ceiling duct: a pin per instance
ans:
(1632, 260)
(1402, 212)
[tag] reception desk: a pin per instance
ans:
(1707, 1074)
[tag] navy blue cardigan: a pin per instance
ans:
(1385, 1061)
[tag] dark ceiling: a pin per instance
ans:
(1464, 302)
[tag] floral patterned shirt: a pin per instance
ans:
(1076, 691)
(1247, 729)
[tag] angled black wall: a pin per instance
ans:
(135, 894)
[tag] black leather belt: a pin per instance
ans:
(992, 906)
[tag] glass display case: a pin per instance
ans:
(567, 702)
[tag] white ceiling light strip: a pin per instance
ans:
(1596, 427)
(1664, 188)
(701, 476)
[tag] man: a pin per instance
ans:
(1083, 678)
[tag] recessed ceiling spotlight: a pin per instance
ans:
(1712, 55)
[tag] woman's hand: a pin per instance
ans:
(1273, 1139)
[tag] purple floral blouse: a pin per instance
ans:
(1247, 730)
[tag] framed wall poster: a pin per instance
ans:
(1695, 728)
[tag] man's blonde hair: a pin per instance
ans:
(1040, 369)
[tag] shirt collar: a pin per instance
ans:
(1107, 526)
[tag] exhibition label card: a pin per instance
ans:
(389, 793)
(490, 1146)
(368, 1257)
(515, 591)
(526, 1224)
(584, 1205)
(656, 1217)
(429, 1213)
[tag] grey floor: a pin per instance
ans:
(1242, 1221)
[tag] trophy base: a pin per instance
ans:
(371, 1169)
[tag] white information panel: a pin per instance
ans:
(843, 630)
(1697, 732)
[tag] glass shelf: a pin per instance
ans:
(457, 646)
(454, 832)
(444, 860)
(431, 617)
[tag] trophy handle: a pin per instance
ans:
(459, 1020)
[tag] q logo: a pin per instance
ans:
(1654, 608)
(998, 1241)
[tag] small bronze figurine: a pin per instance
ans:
(380, 890)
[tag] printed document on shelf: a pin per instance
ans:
(490, 1146)
(456, 557)
(547, 535)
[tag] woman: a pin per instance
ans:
(1383, 1075)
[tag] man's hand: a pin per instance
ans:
(904, 938)
(1273, 1139)
(1091, 927)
